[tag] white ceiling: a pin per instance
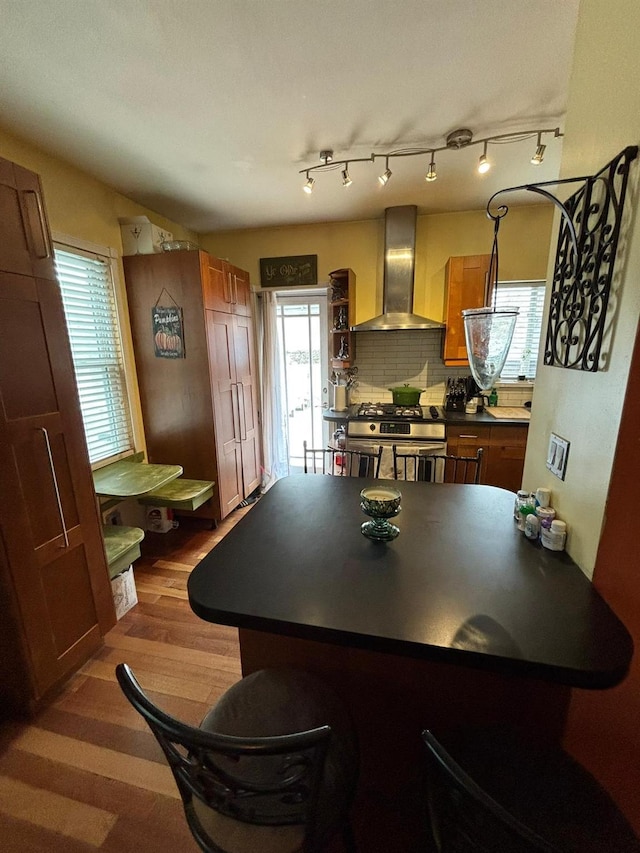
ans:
(205, 110)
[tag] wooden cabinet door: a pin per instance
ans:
(226, 412)
(25, 245)
(465, 441)
(505, 460)
(466, 286)
(48, 514)
(226, 288)
(217, 286)
(247, 384)
(240, 291)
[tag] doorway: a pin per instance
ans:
(302, 328)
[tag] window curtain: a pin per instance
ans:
(275, 437)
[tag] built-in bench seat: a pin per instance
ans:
(122, 546)
(179, 494)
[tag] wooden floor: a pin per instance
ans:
(86, 774)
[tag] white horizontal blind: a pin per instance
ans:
(528, 296)
(92, 320)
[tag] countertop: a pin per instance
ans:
(434, 593)
(450, 418)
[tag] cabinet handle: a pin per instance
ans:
(241, 413)
(467, 436)
(43, 250)
(230, 291)
(55, 486)
(235, 289)
(237, 436)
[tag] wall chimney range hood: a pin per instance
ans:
(399, 267)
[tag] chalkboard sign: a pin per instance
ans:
(296, 271)
(167, 329)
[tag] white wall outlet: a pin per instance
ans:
(557, 455)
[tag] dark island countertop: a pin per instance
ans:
(460, 584)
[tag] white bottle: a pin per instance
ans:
(555, 536)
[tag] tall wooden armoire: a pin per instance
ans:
(199, 408)
(55, 595)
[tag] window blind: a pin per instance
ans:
(92, 321)
(528, 296)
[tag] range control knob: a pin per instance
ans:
(372, 427)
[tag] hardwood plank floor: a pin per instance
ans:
(86, 774)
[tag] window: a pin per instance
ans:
(88, 296)
(523, 353)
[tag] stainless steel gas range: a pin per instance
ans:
(415, 429)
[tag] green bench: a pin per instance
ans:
(181, 494)
(122, 546)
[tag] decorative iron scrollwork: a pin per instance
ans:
(582, 280)
(584, 264)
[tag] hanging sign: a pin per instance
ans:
(293, 271)
(168, 332)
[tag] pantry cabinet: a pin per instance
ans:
(200, 409)
(466, 286)
(55, 593)
(504, 449)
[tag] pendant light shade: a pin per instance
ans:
(488, 332)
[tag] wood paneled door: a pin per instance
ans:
(53, 573)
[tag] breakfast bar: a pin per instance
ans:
(460, 620)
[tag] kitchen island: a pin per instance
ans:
(458, 621)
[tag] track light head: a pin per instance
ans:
(538, 157)
(384, 177)
(346, 180)
(431, 171)
(483, 164)
(308, 187)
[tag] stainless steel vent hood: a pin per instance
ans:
(399, 266)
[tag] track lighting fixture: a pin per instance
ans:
(431, 172)
(384, 177)
(483, 164)
(457, 140)
(538, 157)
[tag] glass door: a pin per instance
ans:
(302, 327)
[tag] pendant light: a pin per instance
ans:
(489, 331)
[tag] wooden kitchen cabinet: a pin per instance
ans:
(55, 592)
(342, 315)
(505, 459)
(504, 451)
(466, 286)
(227, 288)
(200, 411)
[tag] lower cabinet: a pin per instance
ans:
(504, 451)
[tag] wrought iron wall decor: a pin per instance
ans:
(584, 263)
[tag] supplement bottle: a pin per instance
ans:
(555, 537)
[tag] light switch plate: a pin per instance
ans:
(557, 455)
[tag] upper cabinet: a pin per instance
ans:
(226, 288)
(466, 286)
(342, 315)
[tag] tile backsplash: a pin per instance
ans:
(387, 359)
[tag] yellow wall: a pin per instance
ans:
(83, 207)
(603, 118)
(524, 251)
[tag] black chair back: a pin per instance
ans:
(423, 466)
(264, 781)
(464, 818)
(341, 463)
